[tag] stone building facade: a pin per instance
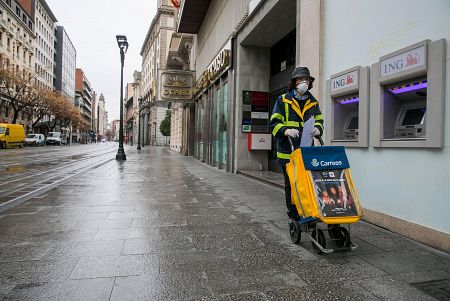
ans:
(154, 54)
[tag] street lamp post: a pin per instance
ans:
(139, 124)
(123, 45)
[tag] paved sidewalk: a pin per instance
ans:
(166, 227)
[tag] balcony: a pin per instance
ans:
(19, 39)
(87, 115)
(10, 29)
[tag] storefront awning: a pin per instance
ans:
(192, 13)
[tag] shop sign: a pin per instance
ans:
(347, 80)
(404, 61)
(255, 112)
(176, 85)
(260, 115)
(246, 128)
(259, 141)
(220, 63)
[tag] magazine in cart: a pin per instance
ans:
(333, 193)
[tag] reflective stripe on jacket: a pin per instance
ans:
(289, 112)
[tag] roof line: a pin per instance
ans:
(49, 11)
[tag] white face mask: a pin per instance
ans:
(302, 87)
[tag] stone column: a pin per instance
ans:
(141, 129)
(310, 39)
(146, 142)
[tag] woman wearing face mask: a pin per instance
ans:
(289, 113)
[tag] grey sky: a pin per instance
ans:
(92, 26)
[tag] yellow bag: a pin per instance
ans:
(308, 189)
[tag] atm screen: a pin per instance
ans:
(414, 116)
(353, 125)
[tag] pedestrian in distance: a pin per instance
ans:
(289, 113)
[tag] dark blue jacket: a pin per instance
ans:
(288, 112)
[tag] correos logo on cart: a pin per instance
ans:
(316, 163)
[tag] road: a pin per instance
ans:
(29, 171)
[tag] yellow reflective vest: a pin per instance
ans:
(289, 112)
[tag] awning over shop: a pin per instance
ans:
(192, 13)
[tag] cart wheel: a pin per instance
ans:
(343, 240)
(333, 231)
(294, 231)
(320, 238)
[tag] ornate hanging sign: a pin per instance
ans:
(176, 85)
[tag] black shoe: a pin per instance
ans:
(293, 215)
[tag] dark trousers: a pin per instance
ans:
(292, 210)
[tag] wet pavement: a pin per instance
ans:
(33, 170)
(161, 226)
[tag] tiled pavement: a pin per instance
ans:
(166, 227)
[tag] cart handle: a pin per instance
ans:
(292, 144)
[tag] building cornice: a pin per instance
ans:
(163, 9)
(20, 21)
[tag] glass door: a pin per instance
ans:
(217, 113)
(223, 125)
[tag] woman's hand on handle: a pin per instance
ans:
(293, 133)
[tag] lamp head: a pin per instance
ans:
(122, 42)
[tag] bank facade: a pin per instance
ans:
(390, 115)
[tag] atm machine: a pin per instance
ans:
(347, 111)
(407, 97)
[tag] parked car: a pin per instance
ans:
(11, 135)
(35, 140)
(54, 138)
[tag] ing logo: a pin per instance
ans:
(314, 162)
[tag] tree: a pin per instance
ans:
(63, 111)
(42, 105)
(18, 89)
(165, 125)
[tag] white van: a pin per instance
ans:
(35, 140)
(54, 138)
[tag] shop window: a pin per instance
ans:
(217, 108)
(223, 125)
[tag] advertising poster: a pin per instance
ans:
(333, 193)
